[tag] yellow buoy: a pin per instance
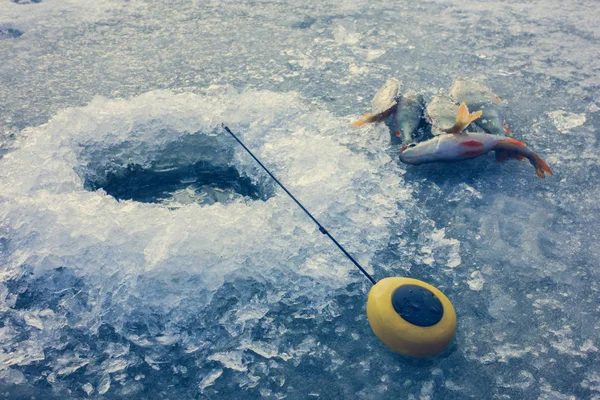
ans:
(411, 317)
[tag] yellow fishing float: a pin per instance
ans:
(409, 316)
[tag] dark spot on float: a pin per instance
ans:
(26, 1)
(417, 305)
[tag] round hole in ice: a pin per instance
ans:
(185, 168)
(136, 280)
(151, 148)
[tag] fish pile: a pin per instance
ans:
(456, 133)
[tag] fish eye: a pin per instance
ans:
(407, 146)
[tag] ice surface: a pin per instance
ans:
(182, 295)
(9, 33)
(109, 265)
(565, 121)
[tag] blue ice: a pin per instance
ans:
(144, 254)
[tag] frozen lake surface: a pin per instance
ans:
(143, 254)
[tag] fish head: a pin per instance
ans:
(419, 153)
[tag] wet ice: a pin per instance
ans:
(112, 298)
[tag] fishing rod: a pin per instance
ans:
(409, 316)
(321, 228)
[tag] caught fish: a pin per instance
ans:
(461, 146)
(409, 115)
(477, 96)
(383, 103)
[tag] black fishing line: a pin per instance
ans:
(321, 228)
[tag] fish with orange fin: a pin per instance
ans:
(461, 146)
(479, 97)
(383, 104)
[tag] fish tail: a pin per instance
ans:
(365, 119)
(503, 155)
(511, 148)
(541, 168)
(463, 119)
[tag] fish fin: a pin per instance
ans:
(498, 99)
(513, 141)
(541, 168)
(462, 116)
(463, 119)
(501, 156)
(366, 118)
(506, 129)
(398, 132)
(475, 115)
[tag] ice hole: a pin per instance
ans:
(199, 183)
(194, 168)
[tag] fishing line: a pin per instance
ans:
(409, 316)
(321, 228)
